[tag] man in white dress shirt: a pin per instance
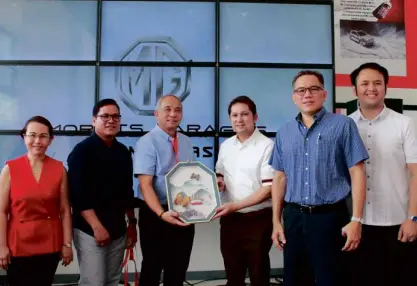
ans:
(245, 178)
(387, 254)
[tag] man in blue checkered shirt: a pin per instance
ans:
(318, 161)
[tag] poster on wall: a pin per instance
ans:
(382, 31)
(370, 30)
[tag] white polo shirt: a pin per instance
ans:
(391, 143)
(244, 167)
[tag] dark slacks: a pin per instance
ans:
(164, 247)
(381, 259)
(36, 270)
(245, 242)
(313, 251)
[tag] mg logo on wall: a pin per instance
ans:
(140, 87)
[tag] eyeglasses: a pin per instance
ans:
(315, 89)
(33, 136)
(106, 117)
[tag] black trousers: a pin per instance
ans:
(313, 250)
(36, 270)
(164, 247)
(245, 242)
(381, 259)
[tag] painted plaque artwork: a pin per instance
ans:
(192, 192)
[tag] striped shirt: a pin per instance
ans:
(316, 160)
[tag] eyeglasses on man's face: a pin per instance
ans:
(301, 91)
(106, 117)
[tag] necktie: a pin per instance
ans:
(175, 147)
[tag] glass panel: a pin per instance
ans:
(64, 95)
(286, 33)
(204, 150)
(271, 91)
(158, 31)
(137, 89)
(48, 30)
(12, 146)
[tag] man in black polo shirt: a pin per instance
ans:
(100, 175)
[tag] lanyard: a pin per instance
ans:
(130, 255)
(175, 147)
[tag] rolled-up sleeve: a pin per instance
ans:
(144, 162)
(276, 157)
(267, 172)
(80, 185)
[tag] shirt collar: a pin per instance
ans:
(318, 116)
(251, 139)
(382, 115)
(162, 133)
(98, 140)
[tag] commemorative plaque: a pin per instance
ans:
(192, 192)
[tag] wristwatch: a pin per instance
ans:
(357, 219)
(67, 245)
(413, 218)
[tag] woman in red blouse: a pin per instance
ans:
(35, 216)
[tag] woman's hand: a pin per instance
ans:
(4, 257)
(66, 255)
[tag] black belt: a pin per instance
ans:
(319, 208)
(253, 213)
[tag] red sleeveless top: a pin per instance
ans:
(34, 225)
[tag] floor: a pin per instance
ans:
(223, 283)
(220, 282)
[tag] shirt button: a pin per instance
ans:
(369, 203)
(306, 198)
(306, 154)
(369, 189)
(306, 169)
(368, 162)
(306, 183)
(370, 123)
(307, 139)
(368, 176)
(369, 136)
(369, 149)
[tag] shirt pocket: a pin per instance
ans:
(326, 153)
(397, 148)
(326, 167)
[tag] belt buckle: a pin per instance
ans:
(306, 209)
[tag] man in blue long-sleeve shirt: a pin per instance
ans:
(318, 158)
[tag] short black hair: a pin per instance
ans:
(104, 102)
(38, 119)
(243, 99)
(317, 74)
(370, 65)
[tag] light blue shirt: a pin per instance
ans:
(154, 155)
